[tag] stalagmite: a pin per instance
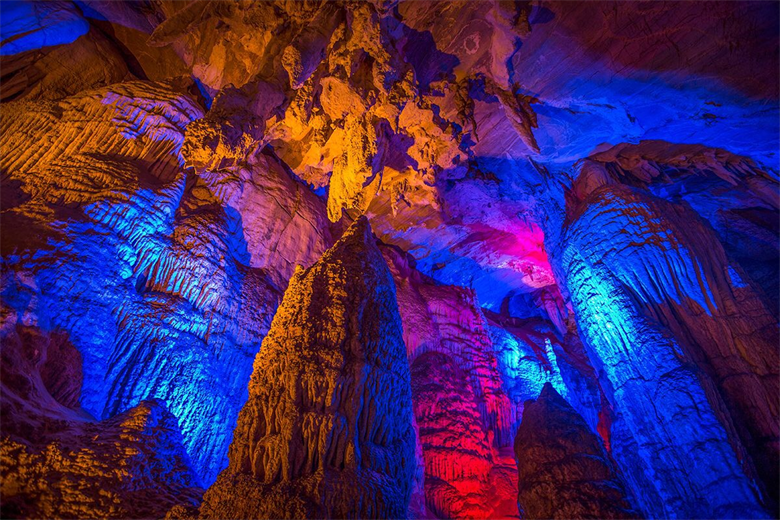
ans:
(564, 470)
(327, 431)
(578, 194)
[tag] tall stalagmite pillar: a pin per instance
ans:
(328, 428)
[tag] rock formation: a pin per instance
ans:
(58, 462)
(327, 431)
(563, 469)
(661, 375)
(464, 417)
(579, 194)
(170, 284)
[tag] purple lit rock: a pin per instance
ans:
(583, 194)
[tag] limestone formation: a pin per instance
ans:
(58, 462)
(463, 414)
(580, 194)
(564, 470)
(168, 269)
(130, 466)
(659, 377)
(328, 430)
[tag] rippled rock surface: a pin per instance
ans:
(58, 462)
(579, 194)
(328, 427)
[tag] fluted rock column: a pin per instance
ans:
(672, 436)
(563, 469)
(464, 417)
(328, 427)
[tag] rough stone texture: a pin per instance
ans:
(430, 76)
(385, 102)
(29, 25)
(328, 427)
(653, 380)
(531, 353)
(576, 193)
(732, 193)
(130, 466)
(464, 477)
(464, 416)
(715, 304)
(58, 462)
(171, 278)
(563, 469)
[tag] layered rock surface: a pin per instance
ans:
(130, 466)
(581, 194)
(58, 462)
(463, 414)
(722, 308)
(171, 276)
(328, 427)
(563, 469)
(651, 287)
(388, 104)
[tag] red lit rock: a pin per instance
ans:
(464, 417)
(583, 194)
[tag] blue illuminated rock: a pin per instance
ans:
(58, 462)
(623, 253)
(715, 292)
(170, 278)
(530, 354)
(734, 194)
(583, 194)
(31, 25)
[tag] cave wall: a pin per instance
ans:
(572, 208)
